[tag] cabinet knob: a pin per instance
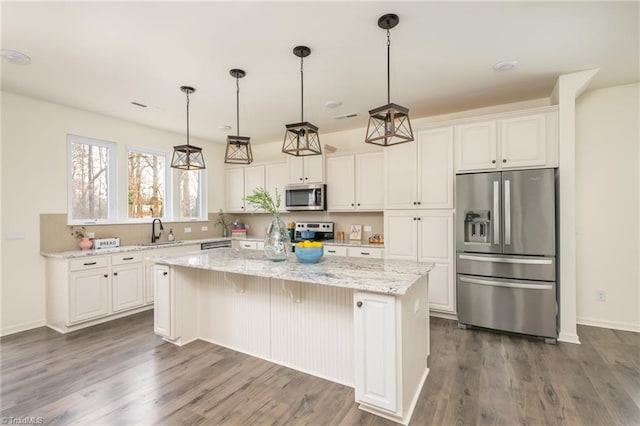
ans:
(415, 218)
(414, 203)
(351, 204)
(306, 178)
(358, 203)
(106, 275)
(165, 273)
(300, 178)
(419, 218)
(418, 202)
(359, 304)
(504, 160)
(115, 273)
(493, 161)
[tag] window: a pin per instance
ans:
(190, 190)
(147, 183)
(91, 185)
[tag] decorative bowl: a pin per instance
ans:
(309, 254)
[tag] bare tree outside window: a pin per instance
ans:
(190, 190)
(89, 181)
(146, 191)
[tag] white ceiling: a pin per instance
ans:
(101, 56)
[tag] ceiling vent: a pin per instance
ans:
(343, 116)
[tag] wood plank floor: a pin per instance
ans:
(120, 373)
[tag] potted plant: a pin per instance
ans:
(224, 222)
(80, 233)
(277, 243)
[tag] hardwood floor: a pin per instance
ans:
(121, 373)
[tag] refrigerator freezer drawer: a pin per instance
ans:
(527, 307)
(519, 267)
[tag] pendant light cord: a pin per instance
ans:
(187, 118)
(388, 67)
(301, 89)
(237, 107)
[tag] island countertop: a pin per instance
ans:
(374, 275)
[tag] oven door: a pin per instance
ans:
(305, 197)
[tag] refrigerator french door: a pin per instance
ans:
(506, 247)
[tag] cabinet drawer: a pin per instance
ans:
(124, 258)
(375, 253)
(86, 263)
(247, 245)
(335, 251)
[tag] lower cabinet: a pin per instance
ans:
(128, 283)
(88, 295)
(162, 296)
(375, 348)
(354, 251)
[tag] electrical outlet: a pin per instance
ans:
(367, 228)
(187, 230)
(601, 296)
(204, 228)
(91, 234)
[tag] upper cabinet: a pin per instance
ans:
(276, 178)
(240, 182)
(420, 174)
(354, 182)
(307, 169)
(510, 142)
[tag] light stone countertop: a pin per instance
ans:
(124, 249)
(348, 243)
(375, 275)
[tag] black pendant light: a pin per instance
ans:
(187, 157)
(238, 147)
(301, 138)
(389, 124)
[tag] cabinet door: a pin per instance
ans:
(400, 228)
(314, 169)
(162, 295)
(435, 168)
(441, 288)
(88, 295)
(435, 236)
(234, 194)
(369, 181)
(340, 183)
(523, 141)
(401, 176)
(476, 146)
(128, 286)
(296, 169)
(375, 350)
(276, 177)
(253, 178)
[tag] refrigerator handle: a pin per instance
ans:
(496, 212)
(507, 212)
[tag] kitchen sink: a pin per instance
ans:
(162, 243)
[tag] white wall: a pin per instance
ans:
(607, 207)
(34, 148)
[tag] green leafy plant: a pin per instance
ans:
(260, 199)
(222, 220)
(79, 232)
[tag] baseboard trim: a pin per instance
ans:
(22, 327)
(568, 338)
(445, 315)
(615, 325)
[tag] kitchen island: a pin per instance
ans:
(360, 322)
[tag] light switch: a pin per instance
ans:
(16, 235)
(187, 230)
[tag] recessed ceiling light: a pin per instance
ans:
(138, 104)
(332, 104)
(15, 57)
(224, 127)
(343, 116)
(505, 65)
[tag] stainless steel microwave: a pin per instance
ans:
(305, 197)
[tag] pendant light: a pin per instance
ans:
(389, 124)
(187, 157)
(238, 147)
(301, 138)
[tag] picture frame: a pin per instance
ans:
(355, 232)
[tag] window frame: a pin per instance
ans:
(168, 184)
(112, 187)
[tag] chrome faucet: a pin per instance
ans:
(154, 237)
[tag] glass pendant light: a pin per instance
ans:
(301, 138)
(389, 124)
(238, 147)
(187, 157)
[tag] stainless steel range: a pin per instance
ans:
(313, 231)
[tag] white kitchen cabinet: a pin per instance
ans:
(88, 295)
(376, 381)
(425, 236)
(508, 141)
(306, 169)
(253, 178)
(334, 250)
(355, 182)
(127, 281)
(420, 175)
(159, 252)
(370, 252)
(240, 182)
(276, 178)
(162, 310)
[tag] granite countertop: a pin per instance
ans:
(350, 243)
(375, 275)
(123, 249)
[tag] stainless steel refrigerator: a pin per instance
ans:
(506, 251)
